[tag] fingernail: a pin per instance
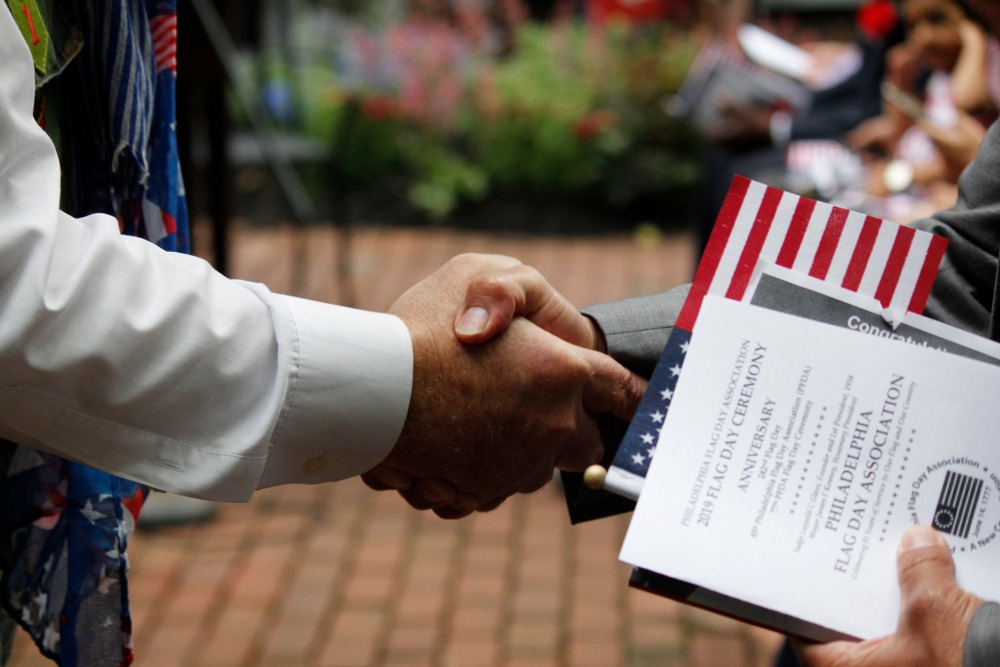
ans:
(920, 537)
(473, 321)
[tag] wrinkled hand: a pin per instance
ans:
(934, 615)
(491, 420)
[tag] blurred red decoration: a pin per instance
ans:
(602, 12)
(877, 19)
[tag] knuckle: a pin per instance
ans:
(526, 273)
(633, 391)
(617, 397)
(491, 284)
(464, 260)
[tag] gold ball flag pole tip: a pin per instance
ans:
(594, 477)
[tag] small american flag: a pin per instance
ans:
(895, 265)
(163, 30)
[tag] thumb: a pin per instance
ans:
(493, 299)
(924, 563)
(935, 612)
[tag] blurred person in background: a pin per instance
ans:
(936, 113)
(752, 139)
(940, 624)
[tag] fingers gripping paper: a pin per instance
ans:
(877, 258)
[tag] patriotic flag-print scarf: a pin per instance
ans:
(64, 527)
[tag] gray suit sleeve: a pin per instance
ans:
(963, 293)
(637, 329)
(982, 641)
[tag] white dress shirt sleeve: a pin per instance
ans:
(152, 366)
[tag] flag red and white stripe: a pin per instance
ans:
(163, 29)
(877, 258)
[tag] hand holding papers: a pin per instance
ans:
(791, 455)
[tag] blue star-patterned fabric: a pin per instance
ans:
(63, 534)
(64, 527)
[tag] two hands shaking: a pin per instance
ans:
(507, 379)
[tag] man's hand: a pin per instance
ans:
(491, 420)
(934, 615)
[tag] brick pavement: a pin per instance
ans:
(338, 576)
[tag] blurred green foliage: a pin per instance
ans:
(573, 112)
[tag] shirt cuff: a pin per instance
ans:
(348, 394)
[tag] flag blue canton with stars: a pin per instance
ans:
(639, 444)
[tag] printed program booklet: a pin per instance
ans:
(794, 456)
